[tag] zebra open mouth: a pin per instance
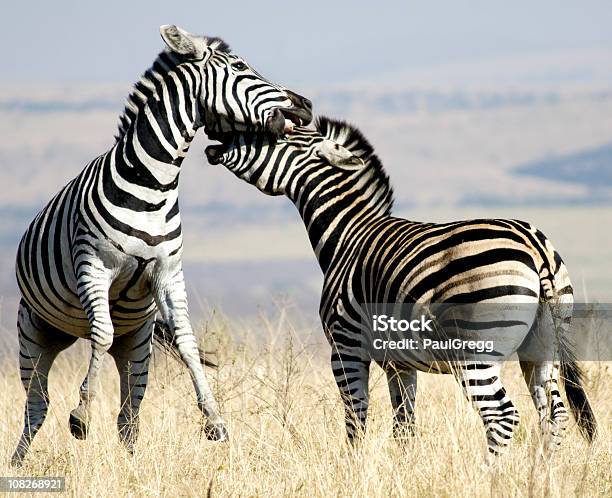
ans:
(281, 122)
(215, 152)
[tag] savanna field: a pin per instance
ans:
(476, 112)
(287, 433)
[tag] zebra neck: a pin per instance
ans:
(143, 169)
(336, 206)
(139, 187)
(161, 117)
(146, 151)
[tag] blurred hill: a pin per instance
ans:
(591, 168)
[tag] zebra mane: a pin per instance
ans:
(351, 138)
(218, 44)
(144, 88)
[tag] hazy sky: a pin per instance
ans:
(297, 43)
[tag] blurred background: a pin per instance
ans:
(478, 109)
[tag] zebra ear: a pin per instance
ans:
(182, 42)
(338, 156)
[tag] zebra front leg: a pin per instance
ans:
(93, 282)
(352, 375)
(171, 299)
(132, 353)
(402, 390)
(39, 345)
(483, 387)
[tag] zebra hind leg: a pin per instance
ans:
(402, 390)
(542, 378)
(132, 353)
(482, 386)
(539, 357)
(39, 345)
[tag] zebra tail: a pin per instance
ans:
(163, 340)
(573, 379)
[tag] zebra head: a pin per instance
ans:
(233, 96)
(274, 165)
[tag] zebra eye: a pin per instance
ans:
(239, 66)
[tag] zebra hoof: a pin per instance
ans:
(78, 427)
(216, 432)
(128, 433)
(404, 433)
(17, 460)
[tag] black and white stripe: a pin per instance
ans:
(344, 197)
(105, 254)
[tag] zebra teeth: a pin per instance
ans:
(289, 126)
(299, 117)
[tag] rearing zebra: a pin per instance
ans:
(105, 254)
(344, 197)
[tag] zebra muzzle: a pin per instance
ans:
(276, 123)
(283, 121)
(214, 153)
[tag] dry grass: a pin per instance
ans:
(287, 434)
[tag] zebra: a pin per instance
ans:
(344, 197)
(104, 255)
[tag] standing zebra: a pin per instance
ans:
(105, 254)
(344, 197)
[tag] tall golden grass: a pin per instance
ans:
(287, 432)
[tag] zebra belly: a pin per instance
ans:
(488, 331)
(503, 319)
(48, 285)
(69, 316)
(131, 302)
